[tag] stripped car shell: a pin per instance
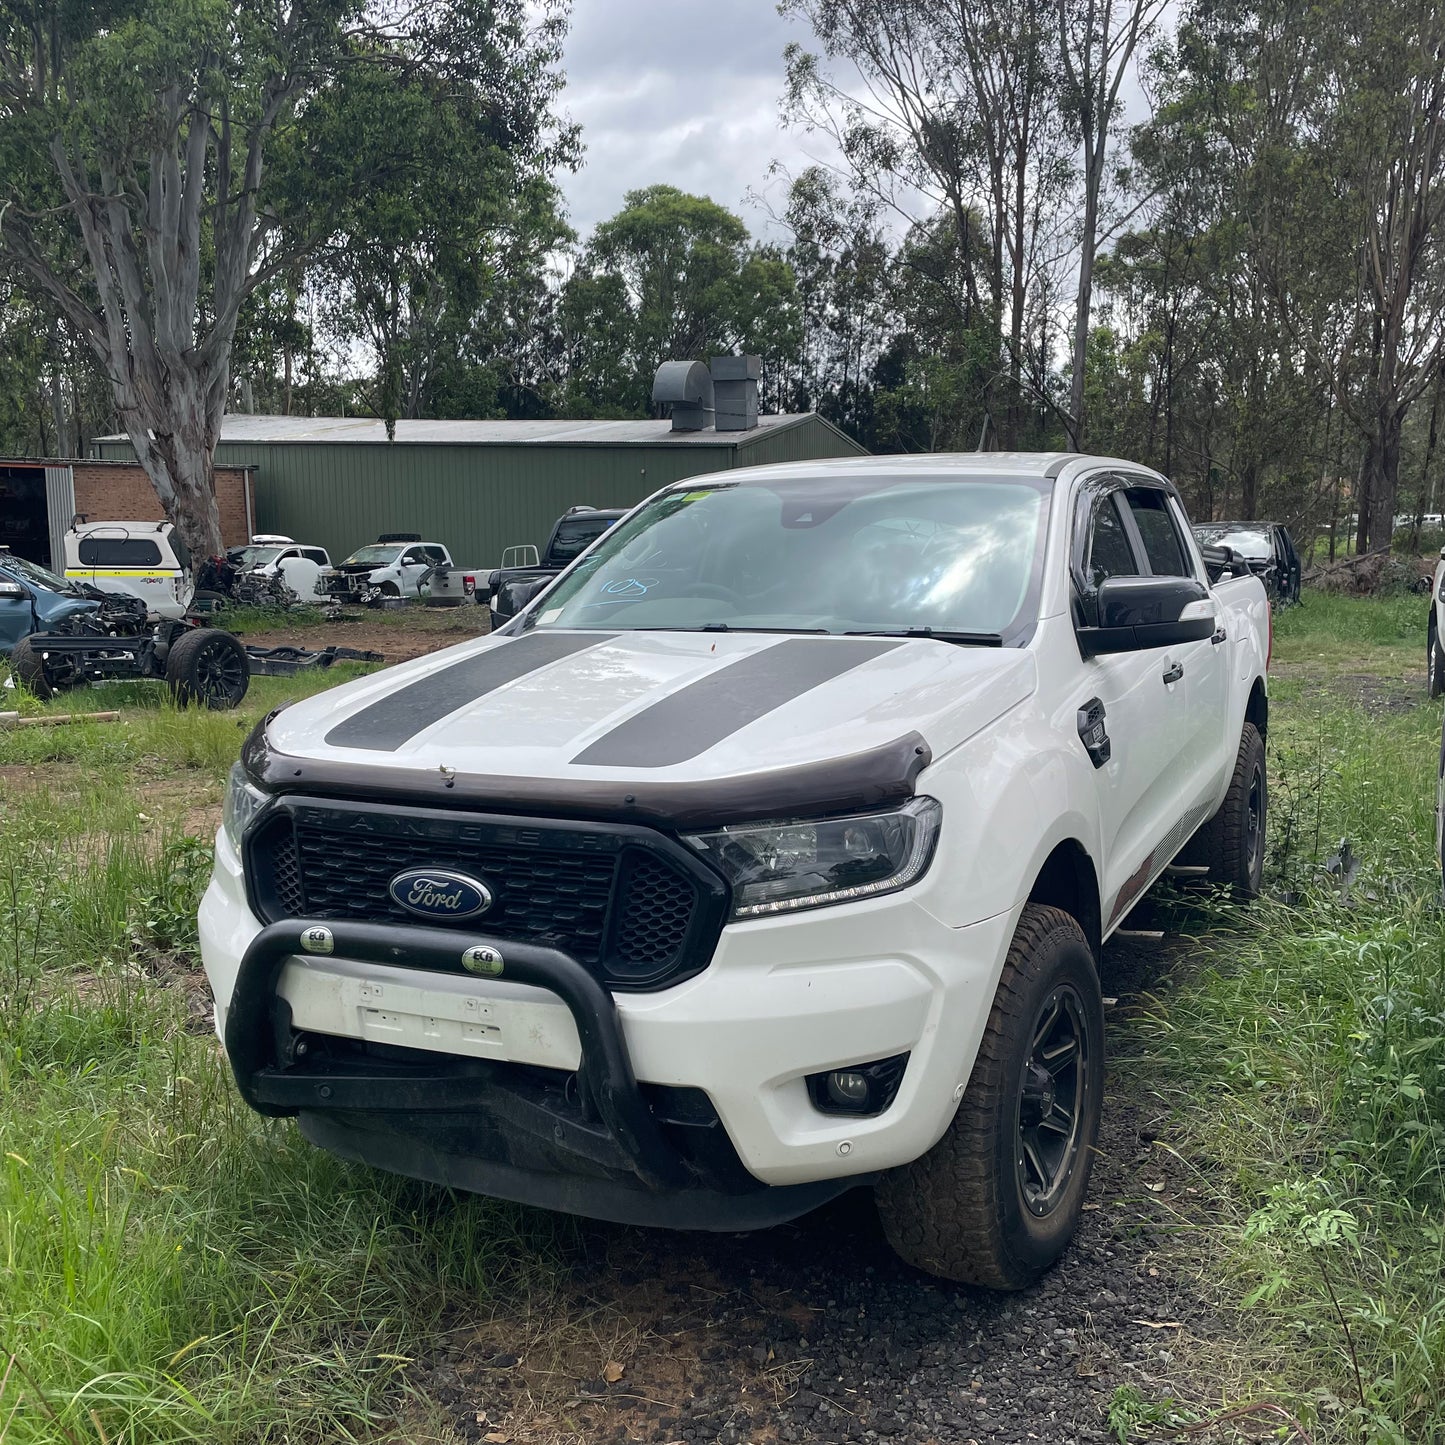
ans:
(747, 860)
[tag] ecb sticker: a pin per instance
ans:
(482, 959)
(318, 940)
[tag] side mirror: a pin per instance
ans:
(1139, 613)
(13, 592)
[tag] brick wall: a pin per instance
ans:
(121, 492)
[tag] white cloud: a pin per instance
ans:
(680, 92)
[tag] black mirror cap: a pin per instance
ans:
(1139, 613)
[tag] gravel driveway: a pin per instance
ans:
(815, 1332)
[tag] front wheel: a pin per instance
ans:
(996, 1201)
(30, 671)
(1434, 660)
(208, 667)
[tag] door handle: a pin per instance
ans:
(1173, 672)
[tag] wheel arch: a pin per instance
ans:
(1068, 880)
(1256, 710)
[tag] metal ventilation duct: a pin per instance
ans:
(687, 387)
(735, 386)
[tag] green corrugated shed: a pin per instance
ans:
(478, 486)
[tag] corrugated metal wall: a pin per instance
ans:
(479, 499)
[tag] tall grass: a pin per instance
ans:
(1303, 1047)
(172, 1267)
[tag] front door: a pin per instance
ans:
(1144, 715)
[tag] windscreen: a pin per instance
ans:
(262, 556)
(1244, 540)
(826, 554)
(36, 575)
(373, 556)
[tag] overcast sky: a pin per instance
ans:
(683, 92)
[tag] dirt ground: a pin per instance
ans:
(398, 636)
(815, 1331)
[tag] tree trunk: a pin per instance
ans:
(1381, 468)
(1074, 424)
(1249, 490)
(177, 450)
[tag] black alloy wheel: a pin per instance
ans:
(1254, 822)
(219, 674)
(1051, 1099)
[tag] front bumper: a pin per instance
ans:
(783, 998)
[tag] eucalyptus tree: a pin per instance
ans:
(138, 193)
(957, 122)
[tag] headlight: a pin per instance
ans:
(778, 867)
(243, 801)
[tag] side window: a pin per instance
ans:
(314, 554)
(1110, 554)
(434, 555)
(1168, 557)
(412, 557)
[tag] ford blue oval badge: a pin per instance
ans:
(434, 893)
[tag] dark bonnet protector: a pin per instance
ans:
(877, 778)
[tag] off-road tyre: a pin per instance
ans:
(29, 669)
(208, 668)
(963, 1211)
(1231, 843)
(1434, 659)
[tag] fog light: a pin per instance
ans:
(860, 1090)
(848, 1089)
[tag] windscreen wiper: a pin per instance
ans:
(963, 639)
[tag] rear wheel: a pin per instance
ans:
(30, 671)
(1231, 843)
(996, 1201)
(1434, 659)
(209, 668)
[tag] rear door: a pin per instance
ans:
(1200, 726)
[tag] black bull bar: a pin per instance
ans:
(604, 1075)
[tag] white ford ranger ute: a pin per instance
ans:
(767, 853)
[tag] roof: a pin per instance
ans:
(242, 427)
(961, 465)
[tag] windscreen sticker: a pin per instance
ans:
(550, 615)
(628, 586)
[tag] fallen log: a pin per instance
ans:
(54, 720)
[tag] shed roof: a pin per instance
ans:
(243, 427)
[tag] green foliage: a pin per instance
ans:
(1130, 1415)
(1304, 1049)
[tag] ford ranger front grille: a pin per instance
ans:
(638, 909)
